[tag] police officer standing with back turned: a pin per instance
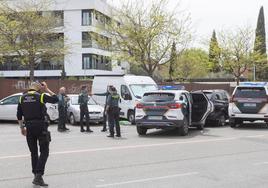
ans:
(32, 108)
(62, 108)
(113, 112)
(83, 102)
(106, 94)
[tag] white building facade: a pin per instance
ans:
(79, 21)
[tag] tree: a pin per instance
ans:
(28, 34)
(191, 63)
(172, 62)
(214, 54)
(237, 51)
(260, 45)
(143, 34)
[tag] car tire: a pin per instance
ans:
(141, 130)
(72, 119)
(221, 121)
(131, 117)
(184, 129)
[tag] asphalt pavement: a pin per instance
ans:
(215, 157)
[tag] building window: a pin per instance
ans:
(86, 17)
(59, 16)
(87, 61)
(86, 40)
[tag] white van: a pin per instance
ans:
(130, 88)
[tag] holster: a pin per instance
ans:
(46, 136)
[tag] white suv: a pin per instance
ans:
(174, 109)
(249, 102)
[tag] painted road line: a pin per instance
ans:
(133, 146)
(148, 179)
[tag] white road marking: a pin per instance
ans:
(261, 163)
(148, 179)
(135, 146)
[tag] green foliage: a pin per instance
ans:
(260, 47)
(144, 35)
(214, 54)
(172, 62)
(237, 51)
(28, 36)
(191, 63)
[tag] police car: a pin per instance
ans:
(249, 102)
(172, 109)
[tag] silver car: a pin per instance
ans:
(95, 110)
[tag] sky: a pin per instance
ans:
(207, 15)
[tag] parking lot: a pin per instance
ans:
(215, 157)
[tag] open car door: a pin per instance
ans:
(201, 108)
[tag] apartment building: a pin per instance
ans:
(78, 21)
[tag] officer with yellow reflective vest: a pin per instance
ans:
(32, 110)
(113, 112)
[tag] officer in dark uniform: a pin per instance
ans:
(113, 112)
(106, 94)
(83, 102)
(32, 108)
(62, 108)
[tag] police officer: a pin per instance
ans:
(113, 111)
(83, 102)
(106, 94)
(32, 108)
(62, 108)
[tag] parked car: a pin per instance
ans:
(8, 108)
(220, 99)
(174, 109)
(249, 102)
(73, 112)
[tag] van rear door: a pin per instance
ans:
(201, 108)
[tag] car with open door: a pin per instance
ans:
(9, 104)
(220, 99)
(249, 102)
(174, 109)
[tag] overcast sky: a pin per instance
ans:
(207, 15)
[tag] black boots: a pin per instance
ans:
(38, 180)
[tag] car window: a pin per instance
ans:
(11, 100)
(125, 93)
(158, 97)
(74, 101)
(250, 92)
(217, 96)
(209, 95)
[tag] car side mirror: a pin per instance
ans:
(181, 98)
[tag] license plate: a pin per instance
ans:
(250, 105)
(155, 117)
(94, 117)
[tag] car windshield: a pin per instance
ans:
(158, 97)
(208, 94)
(74, 101)
(249, 92)
(139, 89)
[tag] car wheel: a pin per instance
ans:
(72, 119)
(221, 121)
(184, 129)
(131, 117)
(141, 130)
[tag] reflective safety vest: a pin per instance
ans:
(33, 106)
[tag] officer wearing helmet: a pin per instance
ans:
(32, 110)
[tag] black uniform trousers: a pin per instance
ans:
(62, 117)
(37, 134)
(113, 118)
(84, 113)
